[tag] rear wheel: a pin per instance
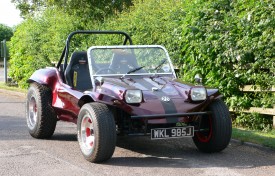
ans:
(41, 117)
(217, 126)
(96, 132)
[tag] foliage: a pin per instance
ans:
(227, 45)
(25, 57)
(254, 121)
(5, 32)
(230, 43)
(37, 42)
(88, 9)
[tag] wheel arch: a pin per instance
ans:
(85, 99)
(214, 93)
(39, 104)
(48, 77)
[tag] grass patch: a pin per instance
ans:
(263, 138)
(11, 87)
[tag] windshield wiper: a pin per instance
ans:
(134, 70)
(162, 62)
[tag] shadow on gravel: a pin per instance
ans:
(178, 153)
(64, 137)
(146, 153)
(182, 153)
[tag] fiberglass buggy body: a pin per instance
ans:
(123, 90)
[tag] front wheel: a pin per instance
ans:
(96, 132)
(217, 129)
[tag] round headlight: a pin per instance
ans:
(198, 93)
(133, 96)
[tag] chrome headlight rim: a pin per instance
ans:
(133, 96)
(198, 94)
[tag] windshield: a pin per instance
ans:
(129, 60)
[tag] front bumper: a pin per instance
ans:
(159, 116)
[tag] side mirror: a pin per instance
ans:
(198, 79)
(99, 81)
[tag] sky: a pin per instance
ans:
(9, 15)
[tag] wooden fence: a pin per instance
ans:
(266, 111)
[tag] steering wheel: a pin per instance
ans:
(104, 69)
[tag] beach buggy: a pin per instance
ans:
(123, 90)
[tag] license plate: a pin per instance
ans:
(174, 132)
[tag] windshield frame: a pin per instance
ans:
(93, 76)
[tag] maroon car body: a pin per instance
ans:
(163, 101)
(67, 101)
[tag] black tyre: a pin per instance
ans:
(96, 132)
(219, 129)
(41, 117)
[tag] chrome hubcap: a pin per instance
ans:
(87, 134)
(32, 116)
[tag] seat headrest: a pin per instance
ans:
(79, 57)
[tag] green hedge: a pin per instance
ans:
(230, 43)
(38, 42)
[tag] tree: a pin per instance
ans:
(88, 9)
(29, 7)
(5, 32)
